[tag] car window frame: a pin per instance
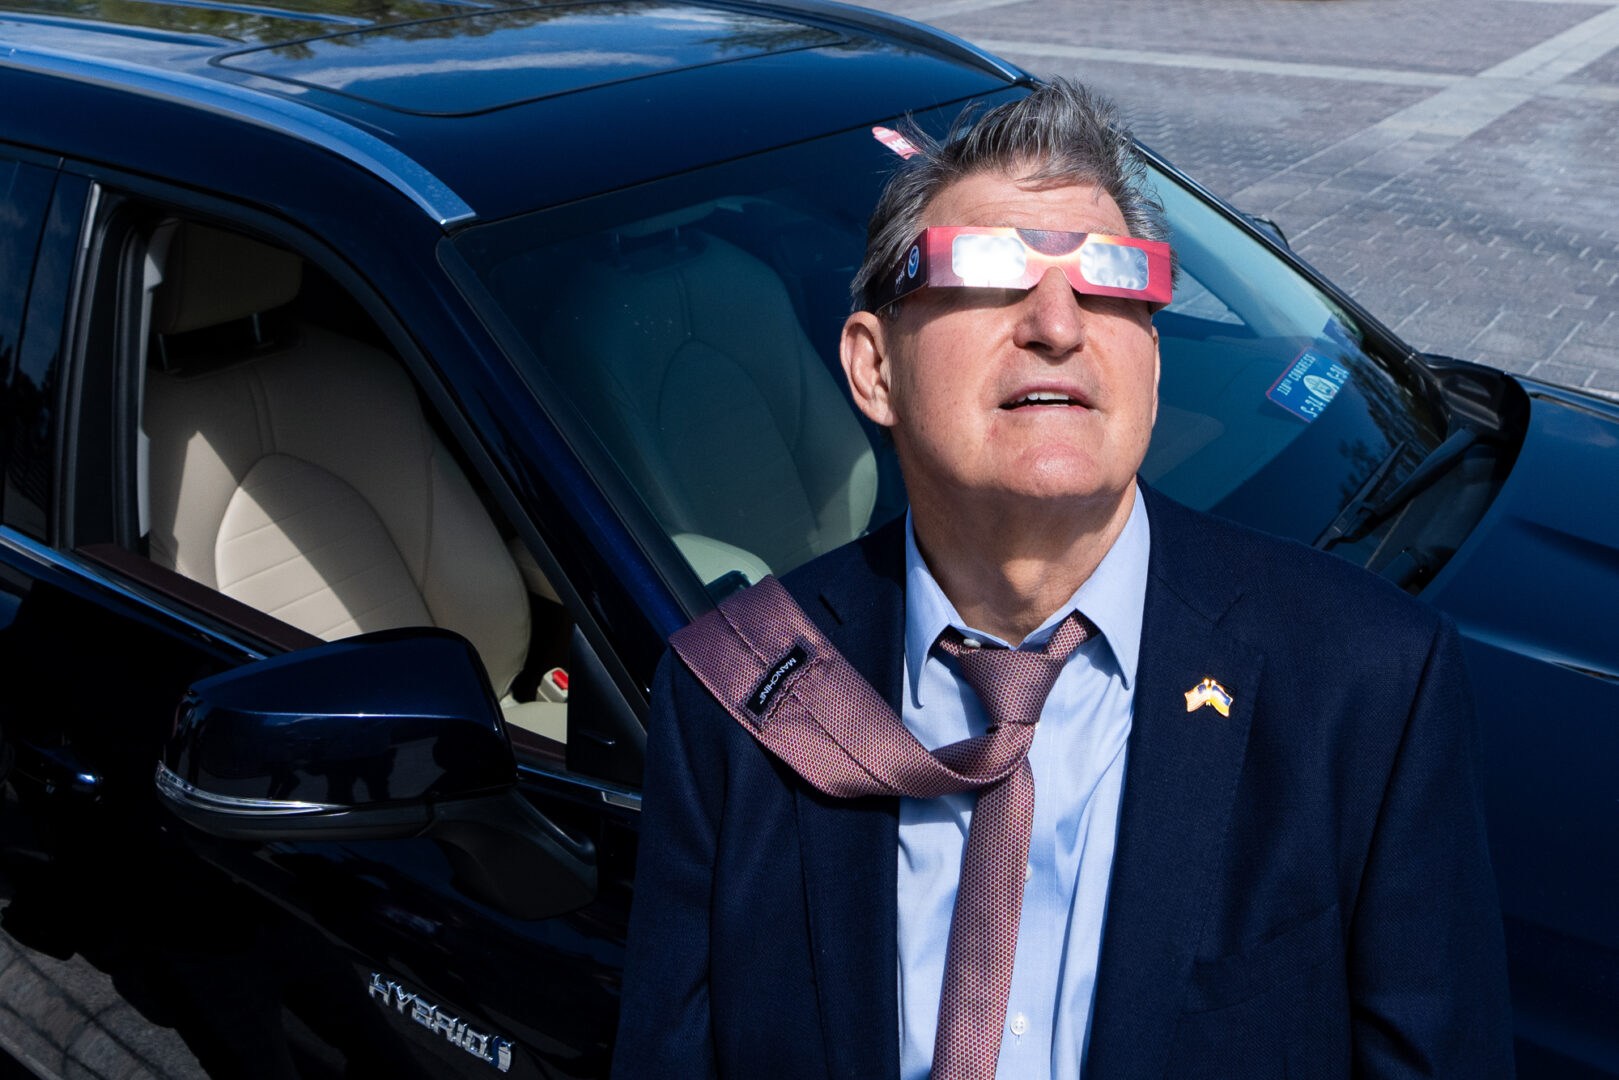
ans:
(215, 614)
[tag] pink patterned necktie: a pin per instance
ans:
(1012, 685)
(812, 710)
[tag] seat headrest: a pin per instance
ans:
(211, 277)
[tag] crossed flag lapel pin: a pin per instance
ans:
(1209, 692)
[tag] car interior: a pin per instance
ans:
(289, 463)
(714, 361)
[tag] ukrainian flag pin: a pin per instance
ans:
(1209, 692)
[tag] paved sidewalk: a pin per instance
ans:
(64, 1019)
(1450, 162)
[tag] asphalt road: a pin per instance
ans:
(1448, 161)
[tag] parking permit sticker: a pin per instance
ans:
(1309, 384)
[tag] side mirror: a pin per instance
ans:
(388, 735)
(355, 739)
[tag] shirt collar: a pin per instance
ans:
(1113, 598)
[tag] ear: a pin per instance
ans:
(867, 365)
(1157, 370)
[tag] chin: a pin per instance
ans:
(1070, 489)
(1060, 472)
(1069, 478)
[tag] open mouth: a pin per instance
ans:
(1043, 399)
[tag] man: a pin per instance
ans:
(1255, 845)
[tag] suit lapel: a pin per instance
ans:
(1179, 783)
(850, 847)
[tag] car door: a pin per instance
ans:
(283, 952)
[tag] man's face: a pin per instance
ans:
(956, 373)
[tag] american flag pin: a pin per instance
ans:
(1209, 692)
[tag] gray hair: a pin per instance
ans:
(1063, 131)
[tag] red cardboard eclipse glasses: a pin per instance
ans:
(1004, 258)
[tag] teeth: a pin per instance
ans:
(1040, 397)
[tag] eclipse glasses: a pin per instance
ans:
(1004, 258)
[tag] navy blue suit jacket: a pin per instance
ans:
(1300, 889)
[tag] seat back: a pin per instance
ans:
(693, 369)
(306, 482)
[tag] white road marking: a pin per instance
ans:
(1214, 62)
(947, 8)
(1415, 134)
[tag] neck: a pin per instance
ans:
(1006, 568)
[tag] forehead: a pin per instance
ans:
(996, 198)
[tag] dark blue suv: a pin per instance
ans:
(381, 383)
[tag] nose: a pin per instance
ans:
(1050, 319)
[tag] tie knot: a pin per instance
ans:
(1012, 684)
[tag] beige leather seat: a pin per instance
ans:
(306, 481)
(690, 364)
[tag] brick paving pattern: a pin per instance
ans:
(63, 1018)
(1449, 162)
(1458, 36)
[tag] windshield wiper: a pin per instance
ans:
(1360, 513)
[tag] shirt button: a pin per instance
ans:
(1020, 1024)
(972, 643)
(1028, 871)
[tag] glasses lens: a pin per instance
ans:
(1113, 266)
(987, 260)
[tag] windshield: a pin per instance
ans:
(689, 328)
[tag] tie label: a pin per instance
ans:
(773, 683)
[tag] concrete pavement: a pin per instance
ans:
(64, 1019)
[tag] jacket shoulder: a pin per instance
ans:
(880, 555)
(1269, 580)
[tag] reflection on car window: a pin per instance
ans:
(24, 429)
(1195, 301)
(1270, 409)
(690, 327)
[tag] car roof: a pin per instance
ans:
(478, 109)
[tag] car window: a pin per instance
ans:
(286, 463)
(1271, 408)
(25, 193)
(690, 327)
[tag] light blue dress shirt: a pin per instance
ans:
(1078, 762)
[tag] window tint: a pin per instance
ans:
(690, 328)
(25, 192)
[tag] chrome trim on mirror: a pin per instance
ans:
(234, 101)
(30, 548)
(172, 787)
